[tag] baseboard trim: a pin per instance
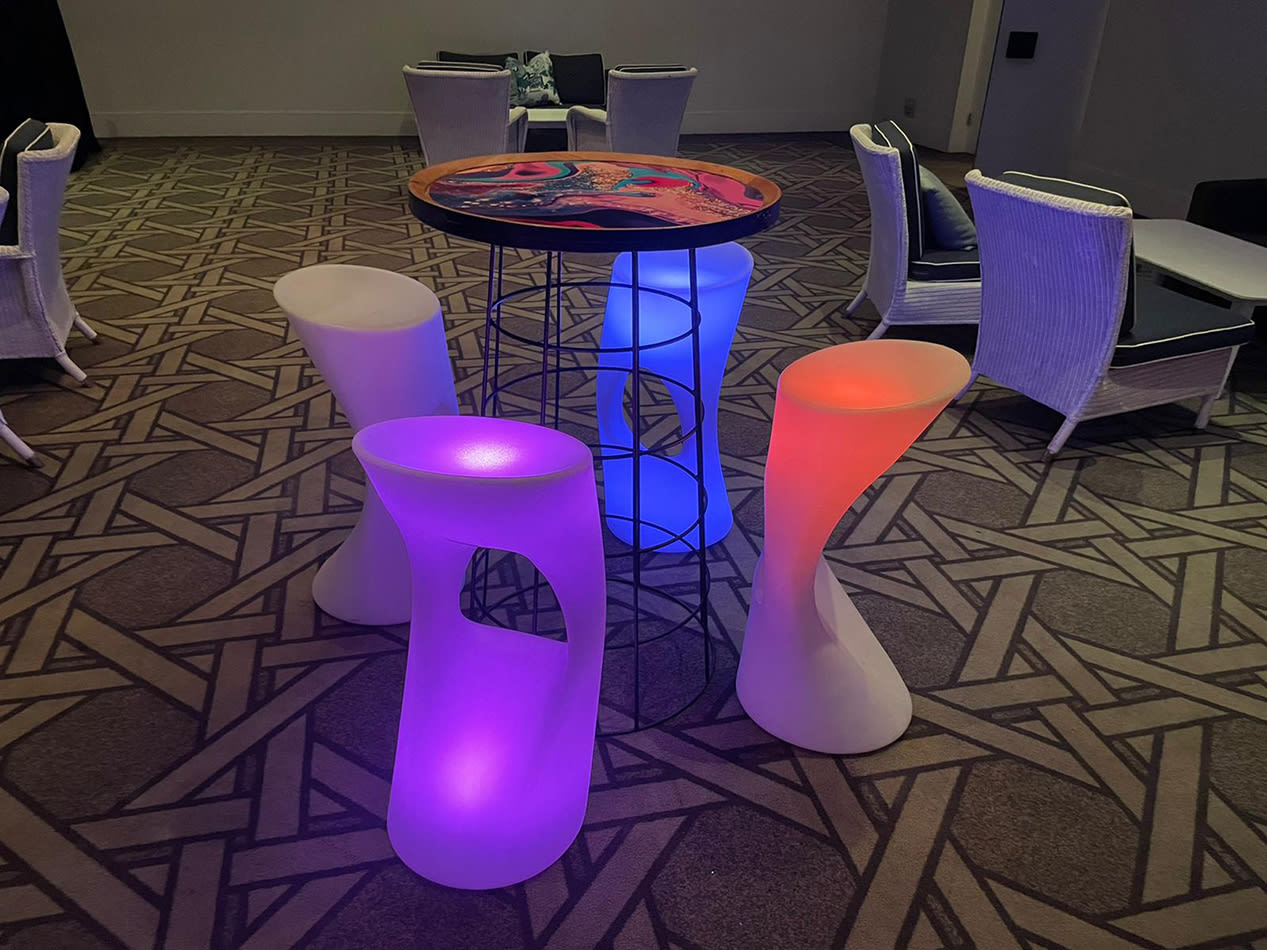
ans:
(244, 122)
(321, 123)
(721, 121)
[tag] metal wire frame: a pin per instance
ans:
(696, 610)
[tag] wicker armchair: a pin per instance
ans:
(463, 110)
(908, 280)
(645, 108)
(36, 312)
(7, 435)
(1062, 319)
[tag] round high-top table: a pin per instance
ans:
(604, 202)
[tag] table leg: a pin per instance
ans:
(545, 338)
(493, 343)
(642, 712)
(702, 487)
(488, 329)
(497, 350)
(636, 448)
(558, 332)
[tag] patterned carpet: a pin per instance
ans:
(194, 757)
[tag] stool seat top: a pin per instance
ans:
(593, 201)
(875, 376)
(715, 266)
(471, 447)
(352, 297)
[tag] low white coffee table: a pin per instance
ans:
(547, 117)
(1223, 265)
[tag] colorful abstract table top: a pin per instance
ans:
(593, 201)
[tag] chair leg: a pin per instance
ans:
(72, 370)
(11, 439)
(1207, 404)
(1058, 442)
(1207, 407)
(83, 326)
(968, 385)
(879, 331)
(857, 301)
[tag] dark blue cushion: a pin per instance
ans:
(489, 59)
(929, 259)
(32, 135)
(651, 68)
(946, 224)
(1082, 192)
(1170, 324)
(938, 264)
(458, 67)
(890, 134)
(1067, 189)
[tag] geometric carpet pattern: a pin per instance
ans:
(193, 756)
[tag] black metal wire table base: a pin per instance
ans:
(666, 631)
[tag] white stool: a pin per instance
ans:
(811, 671)
(378, 339)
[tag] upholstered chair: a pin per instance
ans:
(36, 312)
(463, 110)
(912, 277)
(1063, 319)
(645, 108)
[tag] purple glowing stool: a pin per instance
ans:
(496, 727)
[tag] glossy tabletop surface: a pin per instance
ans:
(593, 201)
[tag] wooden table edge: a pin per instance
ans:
(420, 181)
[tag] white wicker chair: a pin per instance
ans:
(1058, 322)
(7, 435)
(645, 108)
(36, 313)
(908, 282)
(463, 110)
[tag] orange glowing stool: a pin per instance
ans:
(811, 671)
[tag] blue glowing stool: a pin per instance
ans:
(669, 489)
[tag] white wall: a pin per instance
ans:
(978, 57)
(222, 67)
(938, 52)
(1179, 96)
(923, 59)
(1034, 107)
